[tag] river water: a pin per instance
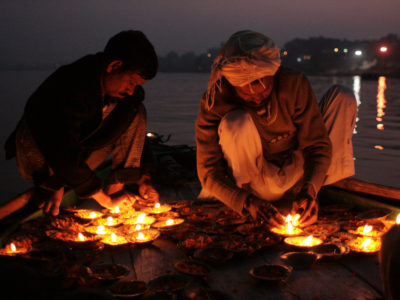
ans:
(172, 103)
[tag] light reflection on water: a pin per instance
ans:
(172, 103)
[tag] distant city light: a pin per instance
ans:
(345, 50)
(379, 147)
(285, 53)
(383, 49)
(307, 57)
(299, 59)
(358, 52)
(336, 49)
(209, 54)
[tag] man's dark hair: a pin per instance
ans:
(135, 51)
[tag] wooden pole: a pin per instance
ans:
(354, 185)
(16, 203)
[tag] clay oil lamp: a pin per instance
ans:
(88, 214)
(140, 219)
(165, 224)
(99, 230)
(157, 209)
(304, 242)
(128, 229)
(365, 244)
(15, 249)
(114, 240)
(390, 223)
(367, 230)
(290, 228)
(109, 221)
(144, 236)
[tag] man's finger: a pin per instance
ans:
(47, 206)
(308, 210)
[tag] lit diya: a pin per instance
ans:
(365, 244)
(367, 230)
(109, 221)
(290, 228)
(14, 249)
(157, 209)
(168, 223)
(303, 241)
(114, 240)
(70, 236)
(144, 236)
(140, 219)
(390, 223)
(128, 229)
(99, 230)
(88, 214)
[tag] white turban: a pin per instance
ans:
(245, 57)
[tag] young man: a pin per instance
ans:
(261, 136)
(81, 114)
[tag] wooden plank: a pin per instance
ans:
(334, 195)
(156, 259)
(354, 185)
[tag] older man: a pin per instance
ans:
(261, 135)
(81, 114)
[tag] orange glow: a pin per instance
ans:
(140, 236)
(157, 209)
(100, 229)
(380, 102)
(157, 205)
(13, 248)
(303, 241)
(113, 237)
(115, 210)
(379, 147)
(365, 244)
(398, 219)
(291, 226)
(169, 222)
(138, 227)
(140, 218)
(81, 237)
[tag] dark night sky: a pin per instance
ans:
(62, 30)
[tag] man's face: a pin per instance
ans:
(120, 84)
(256, 91)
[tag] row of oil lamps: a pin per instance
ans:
(367, 239)
(136, 223)
(139, 222)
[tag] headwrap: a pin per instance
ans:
(245, 57)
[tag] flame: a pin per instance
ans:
(157, 205)
(113, 237)
(169, 222)
(100, 229)
(13, 248)
(138, 227)
(398, 219)
(116, 210)
(366, 243)
(140, 236)
(92, 215)
(292, 221)
(367, 229)
(81, 237)
(308, 241)
(140, 218)
(110, 220)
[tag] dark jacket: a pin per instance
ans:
(65, 118)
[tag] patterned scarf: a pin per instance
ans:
(245, 57)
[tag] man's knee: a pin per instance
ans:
(343, 94)
(235, 124)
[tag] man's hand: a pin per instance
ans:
(306, 206)
(146, 190)
(105, 200)
(262, 209)
(50, 200)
